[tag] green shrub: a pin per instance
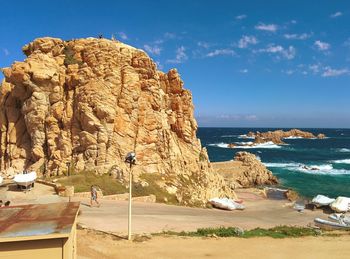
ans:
(276, 232)
(69, 57)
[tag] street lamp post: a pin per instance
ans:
(131, 160)
(68, 168)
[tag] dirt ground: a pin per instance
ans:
(156, 217)
(93, 245)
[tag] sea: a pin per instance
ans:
(309, 166)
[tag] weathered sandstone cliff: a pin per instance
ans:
(88, 102)
(245, 171)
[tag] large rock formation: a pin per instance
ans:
(88, 102)
(245, 171)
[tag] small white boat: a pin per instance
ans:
(321, 200)
(25, 180)
(226, 204)
(341, 204)
(326, 224)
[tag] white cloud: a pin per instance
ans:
(315, 68)
(217, 52)
(6, 52)
(323, 46)
(330, 72)
(335, 15)
(288, 53)
(293, 22)
(245, 41)
(288, 72)
(155, 50)
(203, 44)
(123, 35)
(251, 117)
(241, 17)
(302, 36)
(266, 27)
(347, 43)
(180, 56)
(169, 35)
(229, 116)
(243, 71)
(159, 65)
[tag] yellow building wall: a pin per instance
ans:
(38, 249)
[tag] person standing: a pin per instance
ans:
(94, 196)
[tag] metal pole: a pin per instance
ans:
(130, 197)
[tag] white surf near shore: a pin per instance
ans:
(343, 150)
(247, 145)
(309, 169)
(342, 161)
(292, 137)
(244, 136)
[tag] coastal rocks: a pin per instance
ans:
(88, 102)
(245, 171)
(321, 136)
(255, 172)
(277, 136)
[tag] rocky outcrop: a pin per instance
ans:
(277, 136)
(87, 102)
(245, 171)
(255, 173)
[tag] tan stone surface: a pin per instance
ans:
(245, 171)
(89, 102)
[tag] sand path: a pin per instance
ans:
(156, 217)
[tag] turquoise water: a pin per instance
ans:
(310, 166)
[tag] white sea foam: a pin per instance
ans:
(247, 145)
(243, 143)
(269, 144)
(245, 136)
(345, 150)
(342, 161)
(282, 165)
(228, 136)
(222, 145)
(325, 169)
(292, 137)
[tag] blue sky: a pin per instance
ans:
(247, 63)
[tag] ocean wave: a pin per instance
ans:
(228, 136)
(291, 137)
(342, 161)
(250, 145)
(282, 165)
(245, 136)
(325, 169)
(247, 145)
(344, 150)
(222, 145)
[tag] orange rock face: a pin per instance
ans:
(254, 172)
(89, 102)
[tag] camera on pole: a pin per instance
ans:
(130, 158)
